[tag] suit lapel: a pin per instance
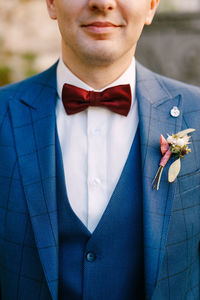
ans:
(33, 118)
(155, 103)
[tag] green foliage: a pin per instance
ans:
(5, 74)
(30, 72)
(29, 57)
(29, 63)
(16, 66)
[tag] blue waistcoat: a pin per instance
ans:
(108, 264)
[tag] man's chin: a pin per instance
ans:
(101, 57)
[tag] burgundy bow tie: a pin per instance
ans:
(117, 99)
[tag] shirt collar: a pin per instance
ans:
(64, 75)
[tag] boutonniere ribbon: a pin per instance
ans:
(176, 145)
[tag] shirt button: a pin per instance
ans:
(94, 181)
(90, 256)
(96, 131)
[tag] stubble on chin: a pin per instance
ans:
(99, 55)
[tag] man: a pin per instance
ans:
(79, 149)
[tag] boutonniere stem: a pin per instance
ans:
(176, 145)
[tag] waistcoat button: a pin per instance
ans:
(90, 256)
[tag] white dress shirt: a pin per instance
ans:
(95, 145)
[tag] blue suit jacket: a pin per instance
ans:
(28, 210)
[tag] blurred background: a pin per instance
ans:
(29, 40)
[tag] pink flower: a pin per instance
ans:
(164, 146)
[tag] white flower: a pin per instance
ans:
(176, 140)
(171, 140)
(186, 139)
(180, 142)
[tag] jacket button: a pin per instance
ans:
(90, 256)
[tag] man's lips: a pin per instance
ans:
(100, 27)
(101, 24)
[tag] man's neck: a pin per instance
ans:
(98, 77)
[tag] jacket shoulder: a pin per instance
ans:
(157, 88)
(178, 87)
(30, 86)
(171, 86)
(14, 90)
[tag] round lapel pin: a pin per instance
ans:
(175, 112)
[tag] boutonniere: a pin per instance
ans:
(176, 145)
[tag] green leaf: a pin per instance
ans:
(174, 170)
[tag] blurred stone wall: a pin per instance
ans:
(29, 39)
(179, 5)
(30, 42)
(171, 46)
